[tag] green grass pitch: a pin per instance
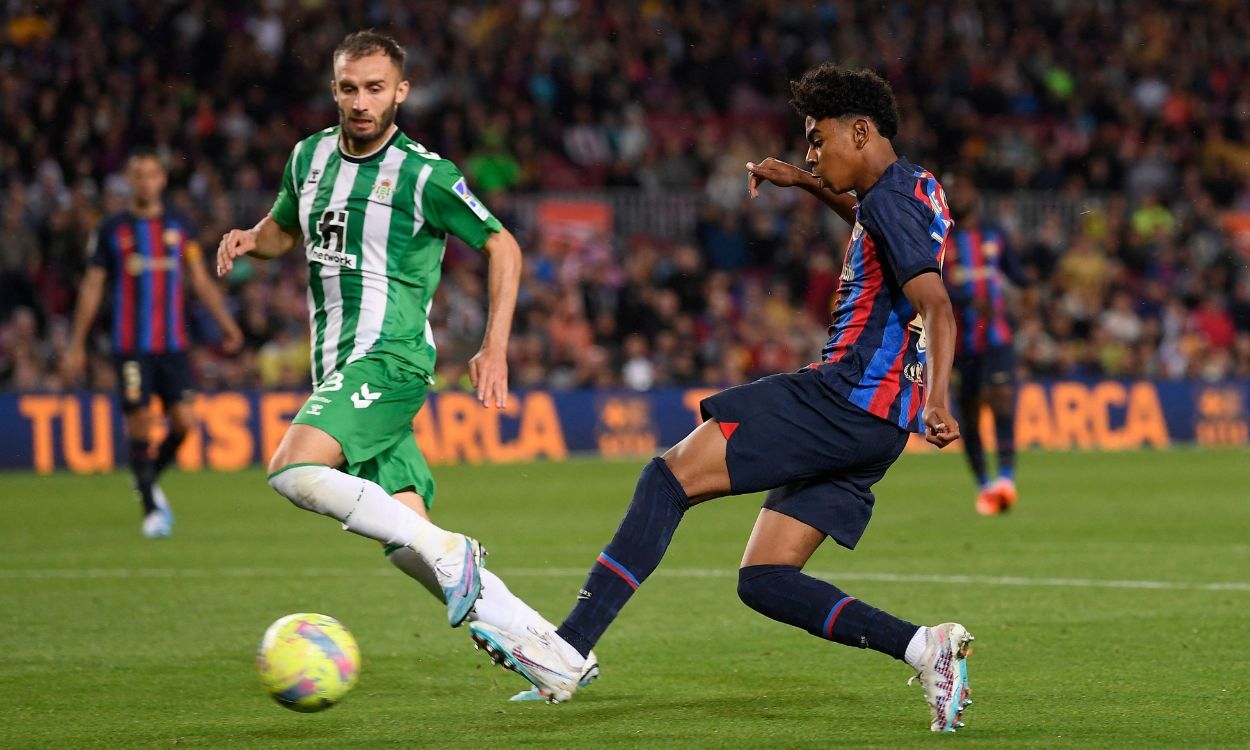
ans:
(1111, 609)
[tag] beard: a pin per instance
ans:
(359, 141)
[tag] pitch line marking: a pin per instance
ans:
(874, 577)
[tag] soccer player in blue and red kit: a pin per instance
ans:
(146, 254)
(977, 266)
(817, 439)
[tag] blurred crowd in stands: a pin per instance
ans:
(1136, 112)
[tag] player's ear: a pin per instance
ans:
(401, 92)
(860, 130)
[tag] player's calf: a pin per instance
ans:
(786, 594)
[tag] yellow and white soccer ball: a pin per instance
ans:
(308, 662)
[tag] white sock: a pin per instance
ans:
(498, 605)
(416, 568)
(362, 507)
(504, 609)
(915, 648)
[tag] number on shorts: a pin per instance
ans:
(333, 383)
(132, 380)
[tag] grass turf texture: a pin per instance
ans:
(162, 655)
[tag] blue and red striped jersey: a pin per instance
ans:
(876, 351)
(975, 266)
(144, 259)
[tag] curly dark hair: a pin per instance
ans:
(829, 91)
(360, 44)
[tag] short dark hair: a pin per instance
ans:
(144, 152)
(828, 91)
(369, 42)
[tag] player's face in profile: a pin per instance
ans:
(830, 151)
(146, 178)
(368, 90)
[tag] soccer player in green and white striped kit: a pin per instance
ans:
(373, 209)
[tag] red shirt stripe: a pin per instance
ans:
(863, 304)
(159, 280)
(888, 389)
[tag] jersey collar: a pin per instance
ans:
(372, 154)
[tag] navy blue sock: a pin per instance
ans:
(973, 447)
(141, 467)
(634, 552)
(786, 594)
(1005, 435)
(167, 451)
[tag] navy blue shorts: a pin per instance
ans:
(994, 366)
(167, 375)
(817, 453)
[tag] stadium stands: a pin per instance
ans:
(1112, 141)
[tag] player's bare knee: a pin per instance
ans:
(181, 419)
(139, 422)
(698, 463)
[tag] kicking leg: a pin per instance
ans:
(497, 607)
(692, 471)
(301, 472)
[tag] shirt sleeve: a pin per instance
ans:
(450, 206)
(902, 227)
(285, 209)
(192, 251)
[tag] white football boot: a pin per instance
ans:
(159, 524)
(590, 673)
(542, 657)
(943, 674)
(459, 575)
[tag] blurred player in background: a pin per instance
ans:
(372, 210)
(978, 264)
(146, 254)
(818, 439)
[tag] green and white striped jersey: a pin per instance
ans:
(375, 229)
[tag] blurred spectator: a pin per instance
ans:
(1112, 138)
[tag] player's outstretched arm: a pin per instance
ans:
(784, 174)
(268, 239)
(488, 369)
(928, 295)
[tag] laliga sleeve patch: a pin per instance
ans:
(461, 189)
